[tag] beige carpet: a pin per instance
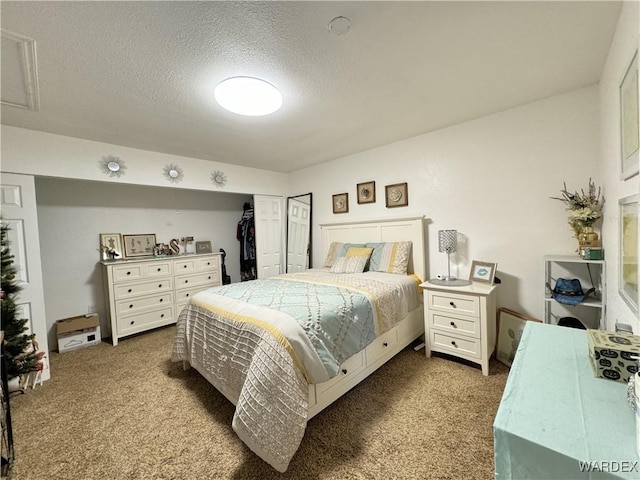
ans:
(127, 412)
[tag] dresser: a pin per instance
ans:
(460, 321)
(151, 292)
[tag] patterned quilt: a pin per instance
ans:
(262, 342)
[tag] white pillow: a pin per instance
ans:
(349, 265)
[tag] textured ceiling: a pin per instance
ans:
(141, 74)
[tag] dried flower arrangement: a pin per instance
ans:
(584, 208)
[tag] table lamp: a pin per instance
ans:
(448, 243)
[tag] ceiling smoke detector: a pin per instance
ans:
(339, 25)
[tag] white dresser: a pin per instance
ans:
(147, 293)
(460, 321)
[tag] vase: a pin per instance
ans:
(588, 238)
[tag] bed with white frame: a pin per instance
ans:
(242, 391)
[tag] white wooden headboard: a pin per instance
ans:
(384, 230)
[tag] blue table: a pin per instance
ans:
(555, 414)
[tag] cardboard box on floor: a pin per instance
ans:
(78, 332)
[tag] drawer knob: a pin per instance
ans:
(453, 324)
(186, 281)
(131, 306)
(208, 263)
(452, 304)
(187, 295)
(162, 315)
(184, 266)
(132, 322)
(454, 344)
(209, 277)
(385, 344)
(161, 300)
(128, 273)
(344, 370)
(159, 269)
(129, 291)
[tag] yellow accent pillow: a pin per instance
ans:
(359, 252)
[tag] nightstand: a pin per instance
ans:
(460, 321)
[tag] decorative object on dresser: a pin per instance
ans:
(482, 272)
(366, 192)
(584, 210)
(111, 246)
(460, 321)
(510, 327)
(628, 277)
(187, 245)
(203, 246)
(139, 245)
(340, 203)
(396, 195)
(629, 131)
(112, 166)
(448, 243)
(147, 293)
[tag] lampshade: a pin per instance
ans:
(447, 241)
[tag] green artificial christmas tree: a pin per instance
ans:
(20, 358)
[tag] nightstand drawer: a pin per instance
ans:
(455, 345)
(455, 324)
(464, 304)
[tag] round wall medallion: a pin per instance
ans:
(173, 173)
(112, 166)
(218, 178)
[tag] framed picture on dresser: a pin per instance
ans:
(139, 245)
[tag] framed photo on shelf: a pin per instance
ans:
(482, 272)
(341, 203)
(510, 327)
(203, 247)
(628, 281)
(396, 195)
(139, 245)
(111, 246)
(366, 192)
(629, 129)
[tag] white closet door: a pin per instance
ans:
(268, 219)
(19, 211)
(298, 219)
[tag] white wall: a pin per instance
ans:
(491, 179)
(624, 44)
(72, 213)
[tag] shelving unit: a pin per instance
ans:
(591, 273)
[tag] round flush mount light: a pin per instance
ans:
(248, 96)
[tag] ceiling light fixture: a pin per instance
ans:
(248, 96)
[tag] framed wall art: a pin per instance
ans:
(396, 195)
(341, 203)
(139, 245)
(629, 129)
(628, 281)
(111, 246)
(510, 327)
(482, 272)
(366, 192)
(203, 247)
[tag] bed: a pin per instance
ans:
(284, 348)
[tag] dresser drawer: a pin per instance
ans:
(348, 369)
(198, 279)
(455, 345)
(137, 305)
(381, 346)
(129, 290)
(124, 273)
(157, 269)
(451, 302)
(455, 324)
(209, 264)
(187, 265)
(144, 321)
